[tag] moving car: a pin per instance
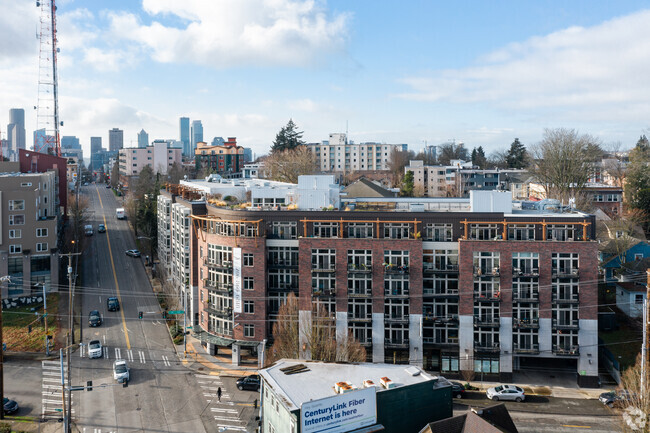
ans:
(618, 398)
(506, 392)
(88, 229)
(113, 304)
(10, 406)
(94, 318)
(95, 349)
(120, 371)
(251, 382)
(101, 228)
(133, 253)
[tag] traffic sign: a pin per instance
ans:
(176, 312)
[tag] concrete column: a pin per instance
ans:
(588, 346)
(466, 342)
(378, 337)
(545, 337)
(210, 348)
(416, 354)
(505, 341)
(54, 273)
(236, 355)
(304, 330)
(341, 329)
(27, 273)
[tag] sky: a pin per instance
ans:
(415, 72)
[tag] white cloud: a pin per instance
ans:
(18, 29)
(303, 105)
(585, 73)
(235, 33)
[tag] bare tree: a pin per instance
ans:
(498, 159)
(115, 174)
(563, 162)
(397, 160)
(176, 173)
(449, 151)
(287, 165)
(614, 164)
(635, 417)
(79, 215)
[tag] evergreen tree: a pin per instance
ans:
(407, 184)
(637, 179)
(516, 157)
(288, 138)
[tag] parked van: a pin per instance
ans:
(119, 213)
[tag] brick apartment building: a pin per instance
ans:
(226, 160)
(475, 286)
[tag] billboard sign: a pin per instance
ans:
(340, 413)
(236, 280)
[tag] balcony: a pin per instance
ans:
(448, 319)
(224, 313)
(565, 273)
(487, 296)
(487, 347)
(568, 298)
(323, 292)
(441, 293)
(525, 272)
(566, 350)
(439, 268)
(395, 269)
(359, 293)
(525, 323)
(396, 292)
(396, 343)
(486, 322)
(525, 296)
(282, 264)
(359, 269)
(566, 324)
(219, 288)
(449, 342)
(353, 318)
(482, 271)
(220, 331)
(396, 319)
(225, 265)
(281, 287)
(530, 349)
(323, 267)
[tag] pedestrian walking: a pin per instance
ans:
(219, 393)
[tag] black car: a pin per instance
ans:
(457, 389)
(113, 304)
(10, 406)
(249, 382)
(620, 398)
(94, 318)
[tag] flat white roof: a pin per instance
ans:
(318, 382)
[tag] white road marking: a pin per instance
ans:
(81, 351)
(223, 418)
(142, 357)
(129, 354)
(104, 336)
(118, 353)
(218, 409)
(166, 361)
(105, 352)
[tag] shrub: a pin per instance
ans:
(5, 428)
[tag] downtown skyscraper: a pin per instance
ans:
(197, 135)
(185, 135)
(16, 130)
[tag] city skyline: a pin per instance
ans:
(482, 75)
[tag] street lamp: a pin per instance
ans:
(5, 279)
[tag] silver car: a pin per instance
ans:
(95, 349)
(506, 392)
(120, 371)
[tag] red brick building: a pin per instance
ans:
(34, 162)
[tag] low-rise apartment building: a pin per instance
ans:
(226, 159)
(29, 231)
(440, 284)
(159, 156)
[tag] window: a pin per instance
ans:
(438, 232)
(323, 259)
(396, 230)
(248, 283)
(521, 232)
(326, 230)
(16, 204)
(638, 256)
(638, 299)
(360, 230)
(248, 260)
(15, 234)
(360, 260)
(26, 184)
(249, 307)
(41, 233)
(41, 247)
(15, 249)
(16, 220)
(484, 232)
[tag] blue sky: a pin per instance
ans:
(398, 72)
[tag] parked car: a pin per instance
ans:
(95, 349)
(457, 389)
(133, 253)
(101, 228)
(10, 406)
(618, 398)
(251, 382)
(120, 371)
(506, 392)
(94, 318)
(113, 304)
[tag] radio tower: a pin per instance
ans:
(47, 110)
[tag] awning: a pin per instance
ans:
(213, 339)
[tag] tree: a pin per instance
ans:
(115, 175)
(176, 173)
(449, 151)
(637, 178)
(318, 334)
(407, 185)
(79, 215)
(516, 157)
(288, 138)
(634, 418)
(478, 157)
(614, 165)
(397, 160)
(287, 165)
(146, 183)
(563, 162)
(426, 157)
(498, 159)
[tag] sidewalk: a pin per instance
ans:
(201, 362)
(547, 390)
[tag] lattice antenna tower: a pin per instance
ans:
(47, 110)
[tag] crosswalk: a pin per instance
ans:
(224, 411)
(52, 399)
(95, 430)
(131, 355)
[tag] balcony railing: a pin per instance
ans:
(486, 322)
(525, 296)
(566, 324)
(220, 331)
(393, 319)
(525, 348)
(440, 292)
(440, 341)
(482, 271)
(224, 265)
(354, 318)
(396, 343)
(569, 298)
(324, 292)
(525, 323)
(323, 268)
(487, 296)
(439, 268)
(395, 269)
(359, 269)
(448, 319)
(487, 347)
(565, 272)
(282, 264)
(566, 350)
(219, 288)
(396, 292)
(224, 313)
(281, 286)
(525, 272)
(356, 293)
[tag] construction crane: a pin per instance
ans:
(47, 138)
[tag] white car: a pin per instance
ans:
(120, 371)
(95, 349)
(506, 392)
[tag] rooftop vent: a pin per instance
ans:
(387, 383)
(294, 369)
(343, 387)
(368, 383)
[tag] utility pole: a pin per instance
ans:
(70, 337)
(646, 340)
(2, 352)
